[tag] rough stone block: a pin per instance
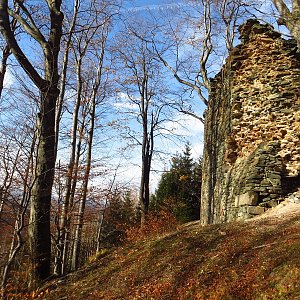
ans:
(274, 176)
(249, 198)
(272, 203)
(255, 210)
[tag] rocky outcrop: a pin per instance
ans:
(251, 158)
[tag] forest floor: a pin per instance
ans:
(254, 259)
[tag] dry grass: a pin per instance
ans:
(242, 260)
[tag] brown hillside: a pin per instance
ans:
(257, 259)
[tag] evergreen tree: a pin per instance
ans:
(179, 188)
(119, 214)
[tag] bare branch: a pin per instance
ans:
(32, 30)
(15, 48)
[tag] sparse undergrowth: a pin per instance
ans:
(242, 260)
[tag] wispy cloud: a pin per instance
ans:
(152, 7)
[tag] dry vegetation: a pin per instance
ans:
(258, 259)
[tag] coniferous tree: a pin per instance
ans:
(179, 188)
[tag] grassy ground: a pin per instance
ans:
(258, 259)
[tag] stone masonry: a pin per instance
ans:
(252, 128)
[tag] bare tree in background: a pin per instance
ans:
(94, 99)
(20, 207)
(143, 89)
(87, 41)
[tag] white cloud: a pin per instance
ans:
(157, 7)
(123, 102)
(123, 105)
(185, 126)
(8, 79)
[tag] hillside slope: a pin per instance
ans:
(257, 259)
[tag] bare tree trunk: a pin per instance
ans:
(63, 234)
(1, 201)
(79, 223)
(67, 237)
(290, 17)
(6, 53)
(39, 227)
(39, 224)
(147, 152)
(63, 76)
(144, 189)
(71, 183)
(147, 144)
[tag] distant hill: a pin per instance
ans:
(254, 259)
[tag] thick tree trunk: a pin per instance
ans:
(39, 227)
(40, 205)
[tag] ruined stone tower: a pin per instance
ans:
(251, 157)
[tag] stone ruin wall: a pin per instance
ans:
(252, 131)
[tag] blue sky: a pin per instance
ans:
(190, 128)
(140, 5)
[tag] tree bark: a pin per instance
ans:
(79, 225)
(39, 227)
(147, 152)
(40, 206)
(3, 67)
